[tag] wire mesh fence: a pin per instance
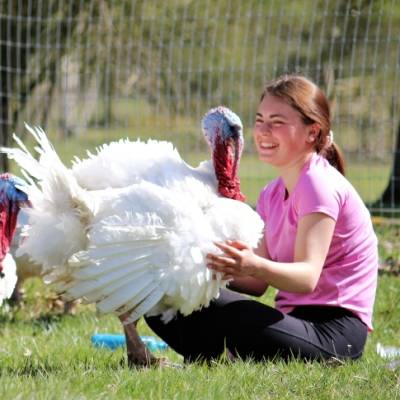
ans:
(96, 70)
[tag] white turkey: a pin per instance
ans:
(12, 198)
(128, 228)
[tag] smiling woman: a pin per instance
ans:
(277, 130)
(319, 249)
(294, 116)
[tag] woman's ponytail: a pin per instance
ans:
(334, 156)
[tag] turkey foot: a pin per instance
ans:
(138, 353)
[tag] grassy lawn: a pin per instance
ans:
(47, 355)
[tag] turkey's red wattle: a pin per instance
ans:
(8, 222)
(226, 163)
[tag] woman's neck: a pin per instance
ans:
(290, 173)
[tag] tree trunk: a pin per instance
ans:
(391, 195)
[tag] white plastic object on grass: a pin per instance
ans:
(387, 351)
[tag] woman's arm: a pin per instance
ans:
(248, 284)
(313, 239)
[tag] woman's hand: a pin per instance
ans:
(238, 259)
(314, 236)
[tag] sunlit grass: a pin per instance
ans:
(44, 355)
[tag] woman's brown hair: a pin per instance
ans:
(310, 101)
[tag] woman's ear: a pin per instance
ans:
(313, 133)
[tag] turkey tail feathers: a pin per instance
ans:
(61, 209)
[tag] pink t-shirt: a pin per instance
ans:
(349, 275)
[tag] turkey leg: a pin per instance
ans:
(138, 353)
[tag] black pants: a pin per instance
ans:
(250, 329)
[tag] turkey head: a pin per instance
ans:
(223, 130)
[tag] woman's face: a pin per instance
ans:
(281, 137)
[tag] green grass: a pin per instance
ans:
(46, 355)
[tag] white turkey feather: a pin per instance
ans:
(146, 305)
(79, 288)
(117, 249)
(95, 267)
(9, 279)
(129, 227)
(25, 268)
(102, 292)
(123, 163)
(120, 297)
(116, 262)
(61, 207)
(141, 294)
